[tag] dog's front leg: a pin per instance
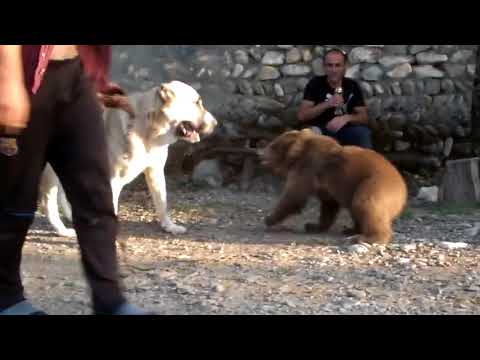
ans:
(64, 204)
(155, 178)
(51, 211)
(117, 187)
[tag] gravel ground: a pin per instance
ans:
(228, 264)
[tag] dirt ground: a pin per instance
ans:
(228, 264)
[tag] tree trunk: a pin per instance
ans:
(461, 182)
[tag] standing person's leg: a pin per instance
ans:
(79, 155)
(19, 181)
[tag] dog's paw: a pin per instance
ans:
(70, 233)
(174, 229)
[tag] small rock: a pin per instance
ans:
(471, 69)
(359, 294)
(256, 53)
(273, 58)
(238, 69)
(290, 303)
(461, 56)
(278, 90)
(353, 72)
(250, 72)
(268, 73)
(293, 56)
(447, 150)
(390, 61)
(241, 57)
(372, 73)
(359, 248)
(295, 70)
(448, 86)
(307, 55)
(453, 245)
(219, 288)
(285, 288)
(208, 171)
(417, 48)
(378, 89)
(400, 145)
(427, 71)
(319, 50)
(364, 54)
(428, 194)
(408, 247)
(317, 66)
(400, 71)
(429, 57)
(455, 70)
(475, 230)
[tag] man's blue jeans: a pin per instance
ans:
(358, 135)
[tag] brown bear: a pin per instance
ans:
(350, 177)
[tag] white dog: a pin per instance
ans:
(163, 115)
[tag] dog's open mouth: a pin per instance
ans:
(187, 131)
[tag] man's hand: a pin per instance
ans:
(14, 105)
(338, 123)
(116, 101)
(335, 100)
(113, 89)
(113, 96)
(14, 99)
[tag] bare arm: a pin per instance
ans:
(359, 116)
(14, 101)
(309, 111)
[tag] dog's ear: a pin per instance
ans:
(165, 93)
(152, 123)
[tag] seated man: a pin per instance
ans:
(335, 105)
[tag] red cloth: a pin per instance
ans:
(96, 60)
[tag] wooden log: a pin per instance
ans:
(247, 173)
(461, 181)
(413, 160)
(232, 150)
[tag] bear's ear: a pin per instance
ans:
(307, 131)
(294, 152)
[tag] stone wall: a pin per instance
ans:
(419, 96)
